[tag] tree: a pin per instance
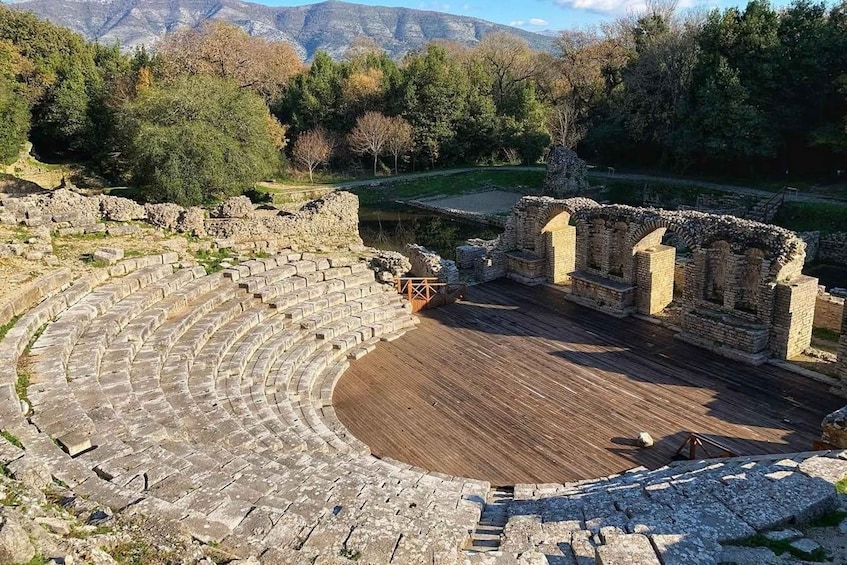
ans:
(564, 125)
(225, 50)
(510, 62)
(399, 139)
(370, 135)
(311, 149)
(199, 139)
(14, 106)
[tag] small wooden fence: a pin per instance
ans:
(710, 448)
(428, 292)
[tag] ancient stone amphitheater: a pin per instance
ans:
(206, 399)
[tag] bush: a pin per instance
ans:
(199, 140)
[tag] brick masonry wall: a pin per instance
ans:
(829, 312)
(793, 317)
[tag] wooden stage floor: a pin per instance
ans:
(516, 385)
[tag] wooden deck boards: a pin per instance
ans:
(515, 385)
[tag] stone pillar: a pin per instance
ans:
(834, 429)
(793, 316)
(561, 254)
(654, 278)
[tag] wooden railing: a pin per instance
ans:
(696, 441)
(428, 292)
(765, 211)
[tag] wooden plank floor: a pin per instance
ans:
(517, 385)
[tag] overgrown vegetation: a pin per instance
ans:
(781, 546)
(811, 216)
(841, 486)
(11, 438)
(211, 259)
(4, 329)
(826, 334)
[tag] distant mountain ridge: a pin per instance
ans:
(330, 26)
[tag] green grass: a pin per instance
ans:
(11, 438)
(812, 216)
(212, 259)
(826, 334)
(780, 547)
(4, 329)
(830, 519)
(21, 385)
(631, 192)
(37, 560)
(528, 181)
(841, 486)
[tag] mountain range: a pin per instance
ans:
(330, 26)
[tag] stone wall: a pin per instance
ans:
(834, 428)
(813, 242)
(426, 263)
(330, 222)
(741, 287)
(829, 311)
(833, 248)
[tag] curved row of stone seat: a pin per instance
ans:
(33, 293)
(681, 513)
(208, 399)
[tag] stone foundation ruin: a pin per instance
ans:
(742, 291)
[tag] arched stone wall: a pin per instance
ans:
(744, 294)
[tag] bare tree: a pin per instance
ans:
(399, 140)
(510, 61)
(564, 124)
(312, 148)
(225, 50)
(370, 135)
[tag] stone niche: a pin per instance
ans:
(737, 283)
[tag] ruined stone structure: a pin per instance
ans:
(426, 263)
(566, 173)
(330, 222)
(743, 294)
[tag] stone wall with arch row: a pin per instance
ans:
(742, 295)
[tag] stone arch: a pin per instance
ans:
(646, 228)
(655, 273)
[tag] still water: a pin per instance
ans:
(392, 226)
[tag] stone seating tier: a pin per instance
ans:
(205, 403)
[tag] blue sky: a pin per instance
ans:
(532, 15)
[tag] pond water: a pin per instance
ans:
(391, 226)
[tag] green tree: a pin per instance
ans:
(199, 139)
(14, 106)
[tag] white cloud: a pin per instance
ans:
(534, 22)
(616, 6)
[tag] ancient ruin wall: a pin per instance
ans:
(330, 222)
(743, 293)
(829, 311)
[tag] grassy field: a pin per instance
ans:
(528, 182)
(812, 216)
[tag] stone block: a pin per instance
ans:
(109, 255)
(630, 549)
(74, 443)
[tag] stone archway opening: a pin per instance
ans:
(661, 259)
(559, 237)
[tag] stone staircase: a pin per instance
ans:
(489, 531)
(207, 399)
